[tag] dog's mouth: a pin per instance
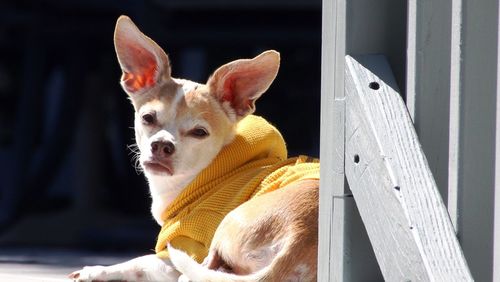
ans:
(157, 167)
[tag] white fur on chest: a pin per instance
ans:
(164, 189)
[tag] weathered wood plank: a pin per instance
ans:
(332, 219)
(390, 179)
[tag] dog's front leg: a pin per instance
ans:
(146, 268)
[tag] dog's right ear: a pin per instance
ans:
(144, 64)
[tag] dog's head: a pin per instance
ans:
(181, 125)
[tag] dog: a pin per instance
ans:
(232, 205)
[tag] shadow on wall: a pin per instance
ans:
(65, 124)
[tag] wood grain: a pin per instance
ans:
(407, 222)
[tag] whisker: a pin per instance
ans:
(136, 154)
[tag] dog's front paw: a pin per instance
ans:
(90, 273)
(183, 278)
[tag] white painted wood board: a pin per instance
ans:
(428, 82)
(455, 173)
(392, 184)
(332, 255)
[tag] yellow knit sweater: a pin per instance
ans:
(253, 164)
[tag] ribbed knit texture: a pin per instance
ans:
(253, 164)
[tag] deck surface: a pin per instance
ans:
(25, 264)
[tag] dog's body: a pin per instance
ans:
(182, 128)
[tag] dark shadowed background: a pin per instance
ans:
(66, 174)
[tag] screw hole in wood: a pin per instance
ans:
(356, 159)
(374, 85)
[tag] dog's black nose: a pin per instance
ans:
(162, 148)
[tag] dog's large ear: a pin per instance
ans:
(142, 61)
(241, 82)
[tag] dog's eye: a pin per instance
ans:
(149, 118)
(198, 132)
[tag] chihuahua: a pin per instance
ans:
(232, 205)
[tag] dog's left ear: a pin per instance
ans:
(241, 82)
(144, 64)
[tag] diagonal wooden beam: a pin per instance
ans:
(395, 192)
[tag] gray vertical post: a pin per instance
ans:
(476, 160)
(332, 222)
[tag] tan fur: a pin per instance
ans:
(288, 214)
(286, 218)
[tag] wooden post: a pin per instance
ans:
(394, 189)
(332, 208)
